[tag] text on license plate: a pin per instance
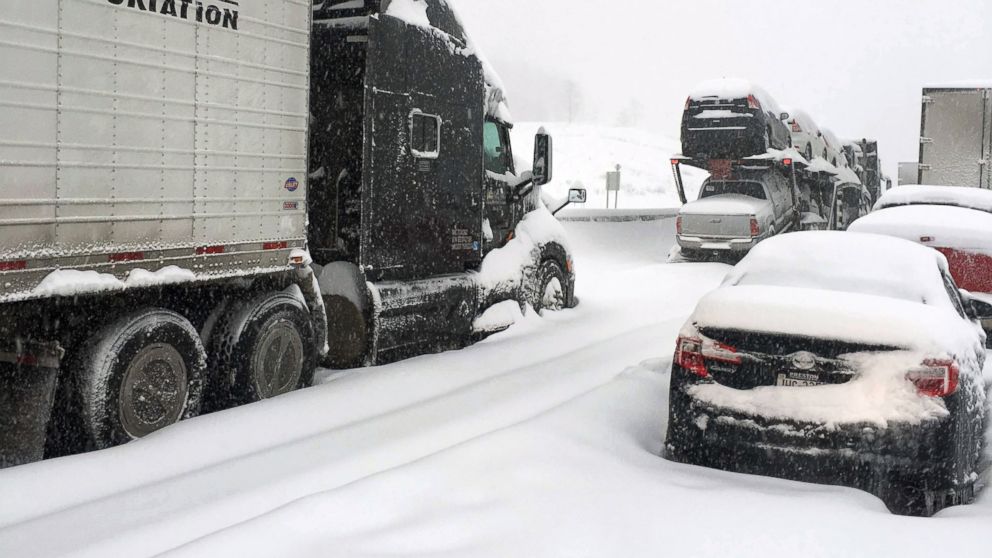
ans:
(793, 379)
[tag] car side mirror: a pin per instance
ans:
(577, 195)
(543, 158)
(784, 116)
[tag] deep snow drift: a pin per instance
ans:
(541, 441)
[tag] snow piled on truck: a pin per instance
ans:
(957, 196)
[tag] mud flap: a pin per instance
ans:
(27, 396)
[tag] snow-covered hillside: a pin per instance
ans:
(584, 153)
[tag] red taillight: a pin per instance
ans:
(692, 353)
(935, 378)
(752, 102)
(787, 162)
(689, 355)
(678, 225)
(19, 265)
(796, 128)
(755, 227)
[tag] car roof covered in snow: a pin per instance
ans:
(852, 287)
(733, 89)
(942, 226)
(972, 198)
(846, 262)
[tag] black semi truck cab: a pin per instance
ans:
(413, 181)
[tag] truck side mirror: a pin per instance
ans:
(784, 116)
(577, 195)
(543, 158)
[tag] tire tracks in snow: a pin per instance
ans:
(155, 518)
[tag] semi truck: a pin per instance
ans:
(956, 136)
(202, 201)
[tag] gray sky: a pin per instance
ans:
(857, 66)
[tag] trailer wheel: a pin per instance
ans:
(140, 374)
(549, 290)
(263, 348)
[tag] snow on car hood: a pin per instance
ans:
(725, 204)
(947, 227)
(936, 331)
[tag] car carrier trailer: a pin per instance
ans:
(201, 201)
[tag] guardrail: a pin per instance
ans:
(617, 215)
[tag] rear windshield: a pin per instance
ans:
(749, 189)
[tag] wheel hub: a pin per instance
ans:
(153, 391)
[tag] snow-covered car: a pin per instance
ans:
(735, 213)
(835, 149)
(955, 221)
(837, 358)
(806, 136)
(732, 119)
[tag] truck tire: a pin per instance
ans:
(262, 348)
(548, 292)
(139, 374)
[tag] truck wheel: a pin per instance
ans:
(347, 333)
(263, 348)
(549, 289)
(140, 374)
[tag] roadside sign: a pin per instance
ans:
(613, 185)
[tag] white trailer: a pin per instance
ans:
(163, 249)
(956, 136)
(153, 174)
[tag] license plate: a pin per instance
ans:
(794, 379)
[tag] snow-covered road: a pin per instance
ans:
(540, 441)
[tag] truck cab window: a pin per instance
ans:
(425, 135)
(497, 148)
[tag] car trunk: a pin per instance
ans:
(761, 359)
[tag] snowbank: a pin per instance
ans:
(502, 267)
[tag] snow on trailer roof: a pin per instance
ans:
(853, 287)
(957, 196)
(965, 84)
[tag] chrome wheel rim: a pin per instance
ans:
(153, 391)
(277, 365)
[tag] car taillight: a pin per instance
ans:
(752, 102)
(755, 227)
(935, 378)
(691, 353)
(678, 225)
(688, 102)
(796, 128)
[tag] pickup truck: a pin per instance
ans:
(737, 211)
